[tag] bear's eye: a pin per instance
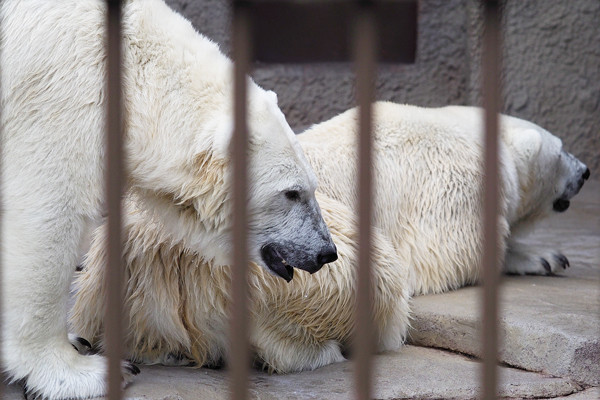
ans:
(292, 195)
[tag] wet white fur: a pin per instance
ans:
(178, 105)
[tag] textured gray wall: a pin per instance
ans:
(551, 69)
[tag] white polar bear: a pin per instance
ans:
(427, 238)
(178, 103)
(428, 179)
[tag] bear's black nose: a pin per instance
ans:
(586, 174)
(327, 255)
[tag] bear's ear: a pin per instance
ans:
(272, 95)
(527, 142)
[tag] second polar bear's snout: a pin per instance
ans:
(575, 182)
(586, 174)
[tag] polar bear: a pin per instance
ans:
(177, 299)
(428, 176)
(178, 103)
(427, 239)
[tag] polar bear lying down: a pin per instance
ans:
(426, 239)
(428, 176)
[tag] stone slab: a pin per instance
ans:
(588, 394)
(413, 372)
(548, 324)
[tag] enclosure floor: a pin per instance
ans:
(550, 328)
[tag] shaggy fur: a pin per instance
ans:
(178, 107)
(177, 301)
(428, 176)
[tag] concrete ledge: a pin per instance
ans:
(548, 324)
(589, 394)
(413, 372)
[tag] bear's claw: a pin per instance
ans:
(81, 345)
(557, 262)
(128, 371)
(132, 368)
(562, 260)
(546, 265)
(84, 342)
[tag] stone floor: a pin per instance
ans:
(550, 348)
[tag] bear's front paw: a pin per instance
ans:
(523, 259)
(557, 262)
(128, 371)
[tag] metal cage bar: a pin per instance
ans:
(491, 269)
(239, 354)
(365, 50)
(113, 325)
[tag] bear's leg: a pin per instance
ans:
(39, 252)
(393, 328)
(524, 259)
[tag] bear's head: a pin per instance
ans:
(191, 190)
(287, 230)
(547, 175)
(180, 115)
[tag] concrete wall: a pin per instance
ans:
(551, 67)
